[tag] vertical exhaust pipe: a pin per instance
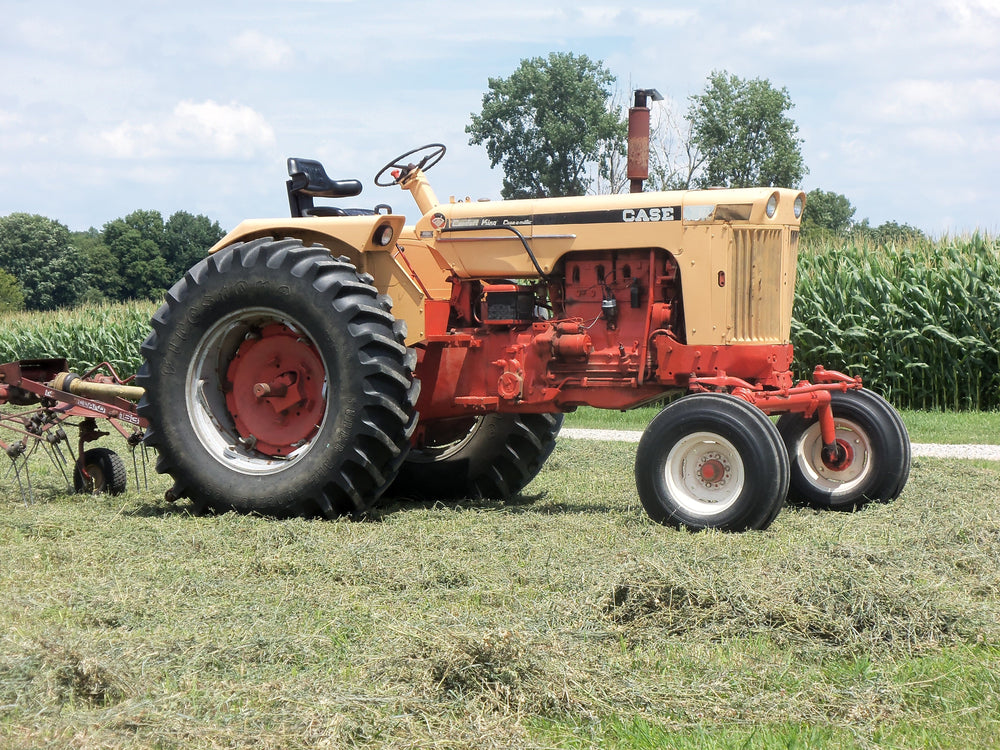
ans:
(637, 169)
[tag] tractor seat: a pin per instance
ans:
(309, 180)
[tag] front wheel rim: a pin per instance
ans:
(846, 477)
(704, 473)
(227, 406)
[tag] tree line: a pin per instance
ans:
(44, 266)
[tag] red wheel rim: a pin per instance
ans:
(276, 395)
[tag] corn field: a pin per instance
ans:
(918, 323)
(85, 336)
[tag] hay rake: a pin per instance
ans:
(56, 400)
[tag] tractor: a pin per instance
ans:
(314, 364)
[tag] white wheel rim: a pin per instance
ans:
(809, 456)
(704, 473)
(206, 402)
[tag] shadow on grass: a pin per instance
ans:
(538, 503)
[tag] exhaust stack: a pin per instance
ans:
(637, 168)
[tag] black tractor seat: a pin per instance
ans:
(309, 180)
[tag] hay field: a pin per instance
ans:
(563, 619)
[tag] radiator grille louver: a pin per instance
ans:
(757, 285)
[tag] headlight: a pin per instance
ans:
(383, 235)
(772, 205)
(800, 203)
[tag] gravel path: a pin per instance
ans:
(929, 450)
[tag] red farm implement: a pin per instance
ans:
(41, 401)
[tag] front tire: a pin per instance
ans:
(491, 456)
(711, 460)
(277, 381)
(876, 464)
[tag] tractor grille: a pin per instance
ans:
(758, 288)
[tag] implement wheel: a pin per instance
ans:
(711, 460)
(876, 454)
(277, 382)
(105, 473)
(492, 456)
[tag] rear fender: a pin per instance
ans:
(355, 238)
(352, 236)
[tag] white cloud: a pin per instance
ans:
(761, 34)
(600, 16)
(256, 50)
(203, 129)
(666, 17)
(927, 101)
(972, 11)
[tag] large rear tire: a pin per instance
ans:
(876, 461)
(491, 456)
(277, 381)
(711, 460)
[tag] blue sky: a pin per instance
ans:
(108, 107)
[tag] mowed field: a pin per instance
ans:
(561, 619)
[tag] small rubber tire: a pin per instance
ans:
(105, 470)
(878, 458)
(712, 461)
(493, 456)
(229, 442)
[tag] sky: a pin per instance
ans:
(109, 107)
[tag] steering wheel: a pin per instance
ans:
(436, 152)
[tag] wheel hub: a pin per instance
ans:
(713, 470)
(842, 459)
(275, 390)
(841, 474)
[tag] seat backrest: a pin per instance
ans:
(309, 180)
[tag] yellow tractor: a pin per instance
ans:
(313, 364)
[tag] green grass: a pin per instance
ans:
(563, 619)
(923, 426)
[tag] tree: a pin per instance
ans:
(887, 233)
(826, 212)
(546, 123)
(674, 159)
(37, 251)
(186, 240)
(747, 140)
(102, 274)
(136, 243)
(11, 294)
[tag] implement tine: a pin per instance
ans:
(56, 456)
(135, 467)
(135, 441)
(30, 496)
(145, 463)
